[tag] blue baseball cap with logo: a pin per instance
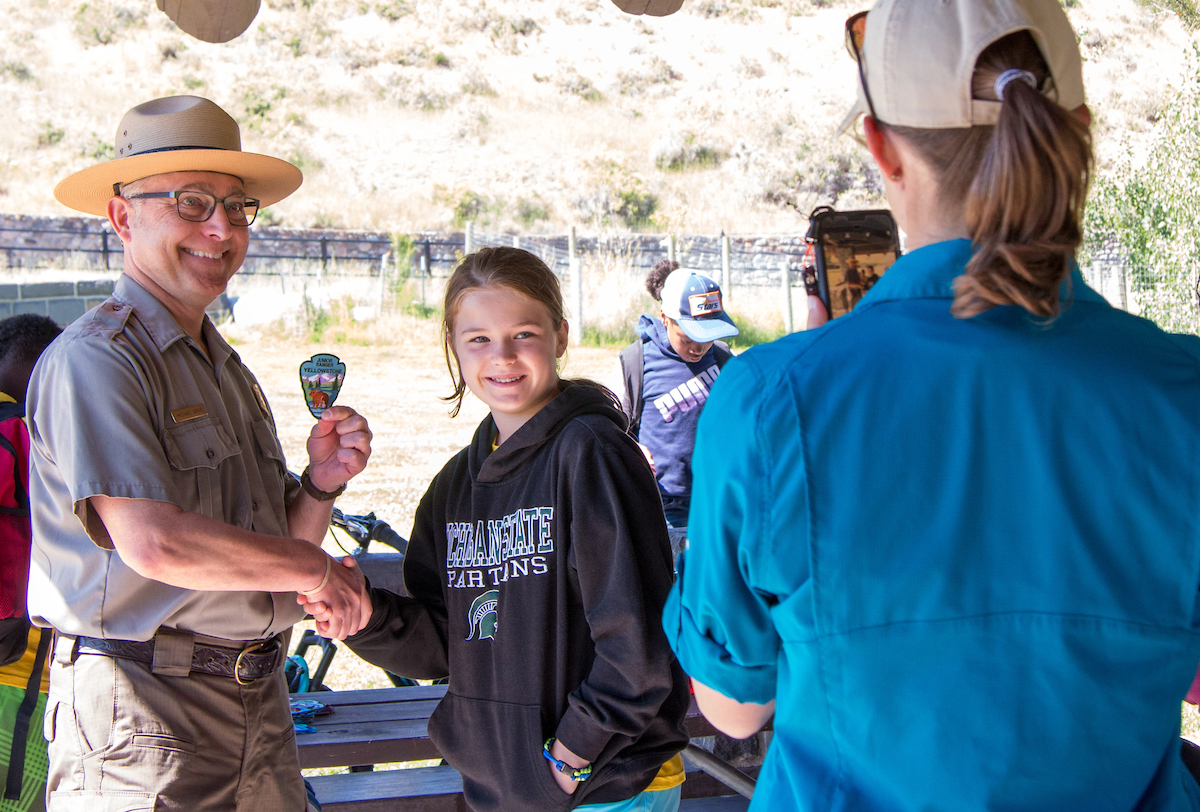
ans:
(694, 301)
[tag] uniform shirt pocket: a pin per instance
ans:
(195, 450)
(273, 473)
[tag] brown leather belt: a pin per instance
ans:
(255, 661)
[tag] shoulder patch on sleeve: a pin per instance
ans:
(108, 319)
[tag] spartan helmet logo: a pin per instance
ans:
(482, 616)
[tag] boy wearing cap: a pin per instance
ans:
(170, 541)
(668, 373)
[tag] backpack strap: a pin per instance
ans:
(16, 757)
(19, 492)
(721, 353)
(633, 370)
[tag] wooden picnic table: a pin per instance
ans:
(384, 725)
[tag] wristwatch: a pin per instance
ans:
(315, 492)
(582, 774)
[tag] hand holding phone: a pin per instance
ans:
(852, 250)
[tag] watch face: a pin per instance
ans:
(321, 379)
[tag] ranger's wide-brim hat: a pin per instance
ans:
(178, 134)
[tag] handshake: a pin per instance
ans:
(341, 603)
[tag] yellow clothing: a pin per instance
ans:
(17, 674)
(670, 775)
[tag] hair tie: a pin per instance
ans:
(1014, 74)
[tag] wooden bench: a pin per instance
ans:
(388, 725)
(439, 789)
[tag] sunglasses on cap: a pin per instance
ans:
(856, 32)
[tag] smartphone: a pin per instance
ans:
(851, 251)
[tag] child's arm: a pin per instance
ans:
(403, 636)
(407, 635)
(621, 552)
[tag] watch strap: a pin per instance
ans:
(315, 492)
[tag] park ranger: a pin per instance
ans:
(170, 541)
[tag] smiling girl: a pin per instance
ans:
(538, 569)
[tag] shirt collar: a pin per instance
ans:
(929, 273)
(161, 325)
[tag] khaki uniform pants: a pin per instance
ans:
(122, 739)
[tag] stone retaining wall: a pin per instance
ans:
(62, 301)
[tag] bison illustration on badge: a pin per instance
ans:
(321, 379)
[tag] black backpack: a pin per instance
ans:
(633, 370)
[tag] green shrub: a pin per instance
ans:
(304, 162)
(524, 27)
(316, 319)
(1150, 215)
(531, 211)
(99, 149)
(617, 336)
(1184, 9)
(17, 70)
(750, 333)
(393, 10)
(50, 135)
(635, 206)
(468, 207)
(268, 218)
(579, 86)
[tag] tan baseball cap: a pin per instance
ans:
(177, 134)
(919, 56)
(211, 20)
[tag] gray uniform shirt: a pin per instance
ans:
(125, 404)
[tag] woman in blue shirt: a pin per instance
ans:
(951, 539)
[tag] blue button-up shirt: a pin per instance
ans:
(961, 555)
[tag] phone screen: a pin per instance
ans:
(854, 250)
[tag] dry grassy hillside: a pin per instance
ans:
(527, 115)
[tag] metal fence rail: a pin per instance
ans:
(744, 259)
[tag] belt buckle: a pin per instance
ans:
(237, 664)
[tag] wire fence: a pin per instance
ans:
(585, 262)
(85, 243)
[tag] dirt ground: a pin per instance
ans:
(397, 386)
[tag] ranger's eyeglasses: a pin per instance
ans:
(199, 206)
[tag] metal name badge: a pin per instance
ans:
(321, 379)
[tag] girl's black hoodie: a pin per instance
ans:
(538, 574)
